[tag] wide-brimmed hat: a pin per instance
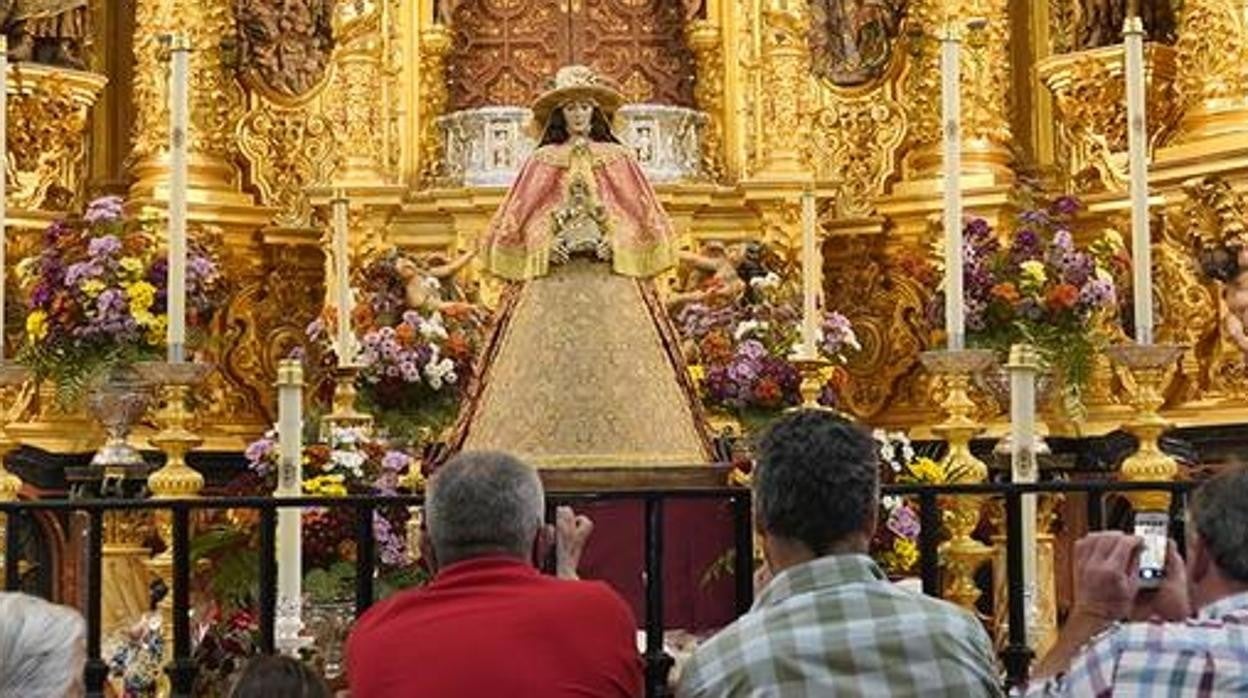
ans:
(574, 82)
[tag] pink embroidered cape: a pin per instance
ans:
(517, 245)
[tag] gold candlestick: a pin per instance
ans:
(814, 371)
(962, 555)
(1149, 366)
(344, 414)
(175, 479)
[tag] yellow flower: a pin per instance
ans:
(326, 485)
(156, 329)
(132, 266)
(1113, 239)
(26, 270)
(141, 295)
(926, 470)
(37, 325)
(92, 287)
(905, 553)
(1033, 273)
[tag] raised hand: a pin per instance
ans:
(571, 534)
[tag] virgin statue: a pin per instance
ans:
(582, 369)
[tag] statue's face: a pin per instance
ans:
(578, 115)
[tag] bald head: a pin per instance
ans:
(483, 503)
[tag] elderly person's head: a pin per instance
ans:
(816, 488)
(42, 648)
(483, 503)
(1217, 538)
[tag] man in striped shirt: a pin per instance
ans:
(1172, 652)
(829, 623)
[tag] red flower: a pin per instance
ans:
(767, 393)
(1006, 292)
(1062, 297)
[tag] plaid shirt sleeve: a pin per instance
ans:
(1091, 672)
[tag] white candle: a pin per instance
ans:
(342, 281)
(1137, 149)
(4, 192)
(950, 104)
(289, 521)
(810, 277)
(177, 199)
(1022, 367)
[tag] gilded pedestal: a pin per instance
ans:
(961, 555)
(1149, 367)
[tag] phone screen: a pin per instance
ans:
(1152, 528)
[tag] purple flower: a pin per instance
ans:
(904, 522)
(81, 270)
(395, 461)
(105, 208)
(1035, 217)
(104, 246)
(413, 318)
(1063, 241)
(977, 228)
(1066, 206)
(315, 329)
(752, 349)
(1098, 293)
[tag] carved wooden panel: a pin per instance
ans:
(505, 51)
(639, 44)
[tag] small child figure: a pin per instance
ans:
(1228, 263)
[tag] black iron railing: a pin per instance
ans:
(1016, 656)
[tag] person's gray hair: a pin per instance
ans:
(42, 648)
(817, 480)
(1219, 511)
(482, 503)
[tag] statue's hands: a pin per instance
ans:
(603, 250)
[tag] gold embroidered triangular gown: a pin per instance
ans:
(583, 368)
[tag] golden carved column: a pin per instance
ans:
(215, 107)
(703, 37)
(1213, 65)
(357, 110)
(435, 45)
(786, 93)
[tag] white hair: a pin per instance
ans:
(42, 648)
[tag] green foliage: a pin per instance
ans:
(230, 557)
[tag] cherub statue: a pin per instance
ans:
(719, 274)
(423, 281)
(1228, 263)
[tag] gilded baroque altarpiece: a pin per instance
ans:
(292, 100)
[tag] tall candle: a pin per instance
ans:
(289, 521)
(950, 109)
(1022, 367)
(810, 277)
(4, 192)
(342, 281)
(177, 198)
(1137, 149)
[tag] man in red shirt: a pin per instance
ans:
(489, 624)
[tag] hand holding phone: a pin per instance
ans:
(1152, 527)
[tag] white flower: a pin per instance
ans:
(432, 283)
(745, 328)
(890, 502)
(433, 328)
(762, 283)
(350, 461)
(439, 371)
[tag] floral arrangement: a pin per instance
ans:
(96, 294)
(351, 463)
(1041, 288)
(896, 543)
(745, 349)
(414, 362)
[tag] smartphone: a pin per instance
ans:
(1153, 528)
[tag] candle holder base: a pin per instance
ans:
(344, 414)
(815, 371)
(962, 555)
(175, 439)
(1148, 366)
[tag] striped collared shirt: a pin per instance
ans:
(1202, 656)
(836, 626)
